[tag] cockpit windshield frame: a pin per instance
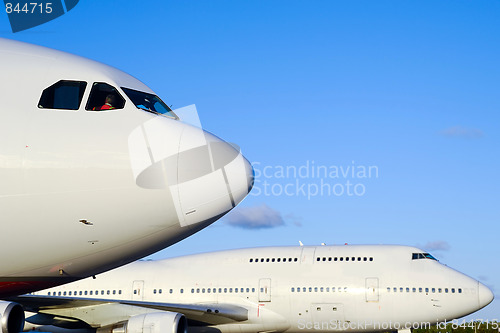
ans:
(149, 102)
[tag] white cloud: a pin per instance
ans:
(257, 217)
(294, 219)
(437, 246)
(462, 132)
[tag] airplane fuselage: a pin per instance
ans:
(292, 289)
(85, 189)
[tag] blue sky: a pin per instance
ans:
(409, 88)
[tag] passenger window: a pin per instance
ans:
(104, 97)
(63, 95)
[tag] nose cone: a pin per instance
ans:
(202, 175)
(213, 176)
(485, 295)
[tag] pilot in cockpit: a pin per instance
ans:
(108, 104)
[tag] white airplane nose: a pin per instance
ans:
(213, 176)
(485, 295)
(205, 177)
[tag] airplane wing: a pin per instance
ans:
(59, 308)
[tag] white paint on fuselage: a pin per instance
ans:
(60, 167)
(357, 294)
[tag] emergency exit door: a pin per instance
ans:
(265, 290)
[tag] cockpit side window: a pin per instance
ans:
(63, 95)
(416, 256)
(104, 97)
(149, 102)
(429, 256)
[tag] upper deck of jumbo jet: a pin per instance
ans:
(313, 254)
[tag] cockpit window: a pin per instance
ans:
(104, 97)
(416, 256)
(149, 102)
(63, 95)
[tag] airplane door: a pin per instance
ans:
(138, 290)
(371, 290)
(332, 313)
(307, 255)
(265, 290)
